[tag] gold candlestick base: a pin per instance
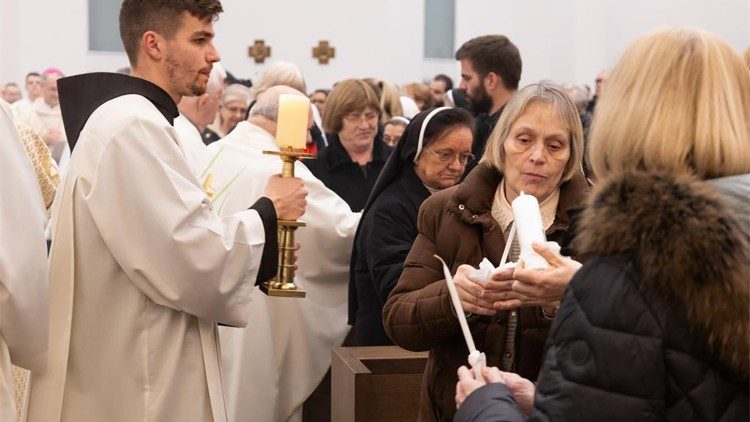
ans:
(283, 284)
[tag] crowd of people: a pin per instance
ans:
(158, 203)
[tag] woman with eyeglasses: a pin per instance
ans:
(432, 156)
(356, 153)
(233, 108)
(535, 148)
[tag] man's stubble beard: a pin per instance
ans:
(177, 71)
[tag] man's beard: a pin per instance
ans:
(177, 71)
(480, 100)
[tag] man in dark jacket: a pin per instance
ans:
(490, 72)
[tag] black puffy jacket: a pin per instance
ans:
(655, 324)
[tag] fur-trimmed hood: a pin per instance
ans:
(689, 242)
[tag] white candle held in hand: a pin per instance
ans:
(477, 360)
(529, 229)
(294, 114)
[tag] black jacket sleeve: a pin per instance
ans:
(391, 237)
(270, 258)
(491, 403)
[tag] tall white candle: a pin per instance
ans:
(529, 229)
(294, 112)
(457, 306)
(476, 359)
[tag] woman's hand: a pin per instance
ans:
(471, 293)
(499, 288)
(542, 287)
(522, 389)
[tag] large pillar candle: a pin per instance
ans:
(529, 229)
(294, 112)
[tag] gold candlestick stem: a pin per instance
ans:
(283, 284)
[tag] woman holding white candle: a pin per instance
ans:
(655, 325)
(536, 148)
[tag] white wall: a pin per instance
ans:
(570, 41)
(567, 41)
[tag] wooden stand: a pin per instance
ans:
(375, 384)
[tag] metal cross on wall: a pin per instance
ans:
(323, 52)
(259, 51)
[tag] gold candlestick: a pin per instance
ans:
(283, 284)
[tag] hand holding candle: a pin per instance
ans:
(476, 359)
(293, 120)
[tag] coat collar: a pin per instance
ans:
(472, 200)
(687, 242)
(337, 156)
(81, 95)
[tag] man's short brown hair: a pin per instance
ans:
(493, 53)
(161, 16)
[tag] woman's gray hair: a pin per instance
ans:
(546, 93)
(278, 73)
(267, 109)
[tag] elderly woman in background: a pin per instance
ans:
(393, 129)
(355, 154)
(432, 156)
(536, 148)
(288, 74)
(278, 73)
(654, 326)
(234, 103)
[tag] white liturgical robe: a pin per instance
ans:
(142, 270)
(191, 140)
(23, 265)
(274, 364)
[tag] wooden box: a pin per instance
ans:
(375, 384)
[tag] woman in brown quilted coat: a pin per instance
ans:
(536, 148)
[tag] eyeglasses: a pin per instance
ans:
(369, 117)
(447, 156)
(236, 110)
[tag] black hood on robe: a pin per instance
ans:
(401, 157)
(81, 95)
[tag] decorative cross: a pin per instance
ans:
(259, 51)
(323, 52)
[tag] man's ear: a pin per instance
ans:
(152, 45)
(202, 99)
(492, 81)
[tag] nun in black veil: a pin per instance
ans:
(431, 156)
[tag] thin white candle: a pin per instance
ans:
(457, 307)
(529, 229)
(476, 359)
(294, 114)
